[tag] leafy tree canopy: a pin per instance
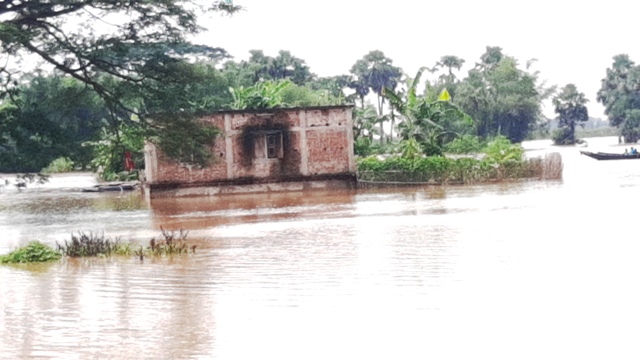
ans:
(261, 67)
(50, 117)
(502, 98)
(120, 49)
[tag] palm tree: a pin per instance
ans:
(571, 109)
(450, 62)
(615, 86)
(375, 72)
(490, 59)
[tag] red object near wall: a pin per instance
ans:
(128, 162)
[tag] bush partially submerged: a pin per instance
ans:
(84, 245)
(33, 252)
(91, 245)
(502, 160)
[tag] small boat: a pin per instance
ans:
(610, 156)
(112, 187)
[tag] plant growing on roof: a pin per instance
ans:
(263, 95)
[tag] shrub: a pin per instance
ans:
(500, 151)
(503, 160)
(562, 136)
(362, 146)
(33, 252)
(59, 165)
(466, 144)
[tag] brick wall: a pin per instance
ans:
(328, 151)
(315, 141)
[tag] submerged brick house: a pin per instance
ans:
(262, 151)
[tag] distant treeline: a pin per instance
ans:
(52, 116)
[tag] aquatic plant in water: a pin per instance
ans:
(173, 243)
(91, 245)
(33, 252)
(84, 245)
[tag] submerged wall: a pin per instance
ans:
(287, 146)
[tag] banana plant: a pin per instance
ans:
(365, 121)
(431, 122)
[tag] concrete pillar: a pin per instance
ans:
(228, 145)
(150, 163)
(349, 129)
(304, 149)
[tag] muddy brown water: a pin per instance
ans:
(525, 270)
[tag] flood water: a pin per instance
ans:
(527, 270)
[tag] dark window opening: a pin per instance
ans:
(274, 146)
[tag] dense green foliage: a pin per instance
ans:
(59, 165)
(50, 118)
(157, 92)
(263, 95)
(501, 151)
(32, 252)
(465, 144)
(442, 170)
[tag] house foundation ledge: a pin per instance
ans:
(251, 185)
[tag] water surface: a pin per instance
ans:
(524, 270)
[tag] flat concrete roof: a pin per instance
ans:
(275, 110)
(261, 111)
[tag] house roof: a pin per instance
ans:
(263, 111)
(276, 110)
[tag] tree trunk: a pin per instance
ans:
(572, 127)
(393, 125)
(380, 106)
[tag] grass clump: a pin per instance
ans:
(97, 245)
(33, 252)
(86, 245)
(173, 243)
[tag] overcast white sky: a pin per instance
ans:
(574, 41)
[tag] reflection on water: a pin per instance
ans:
(511, 270)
